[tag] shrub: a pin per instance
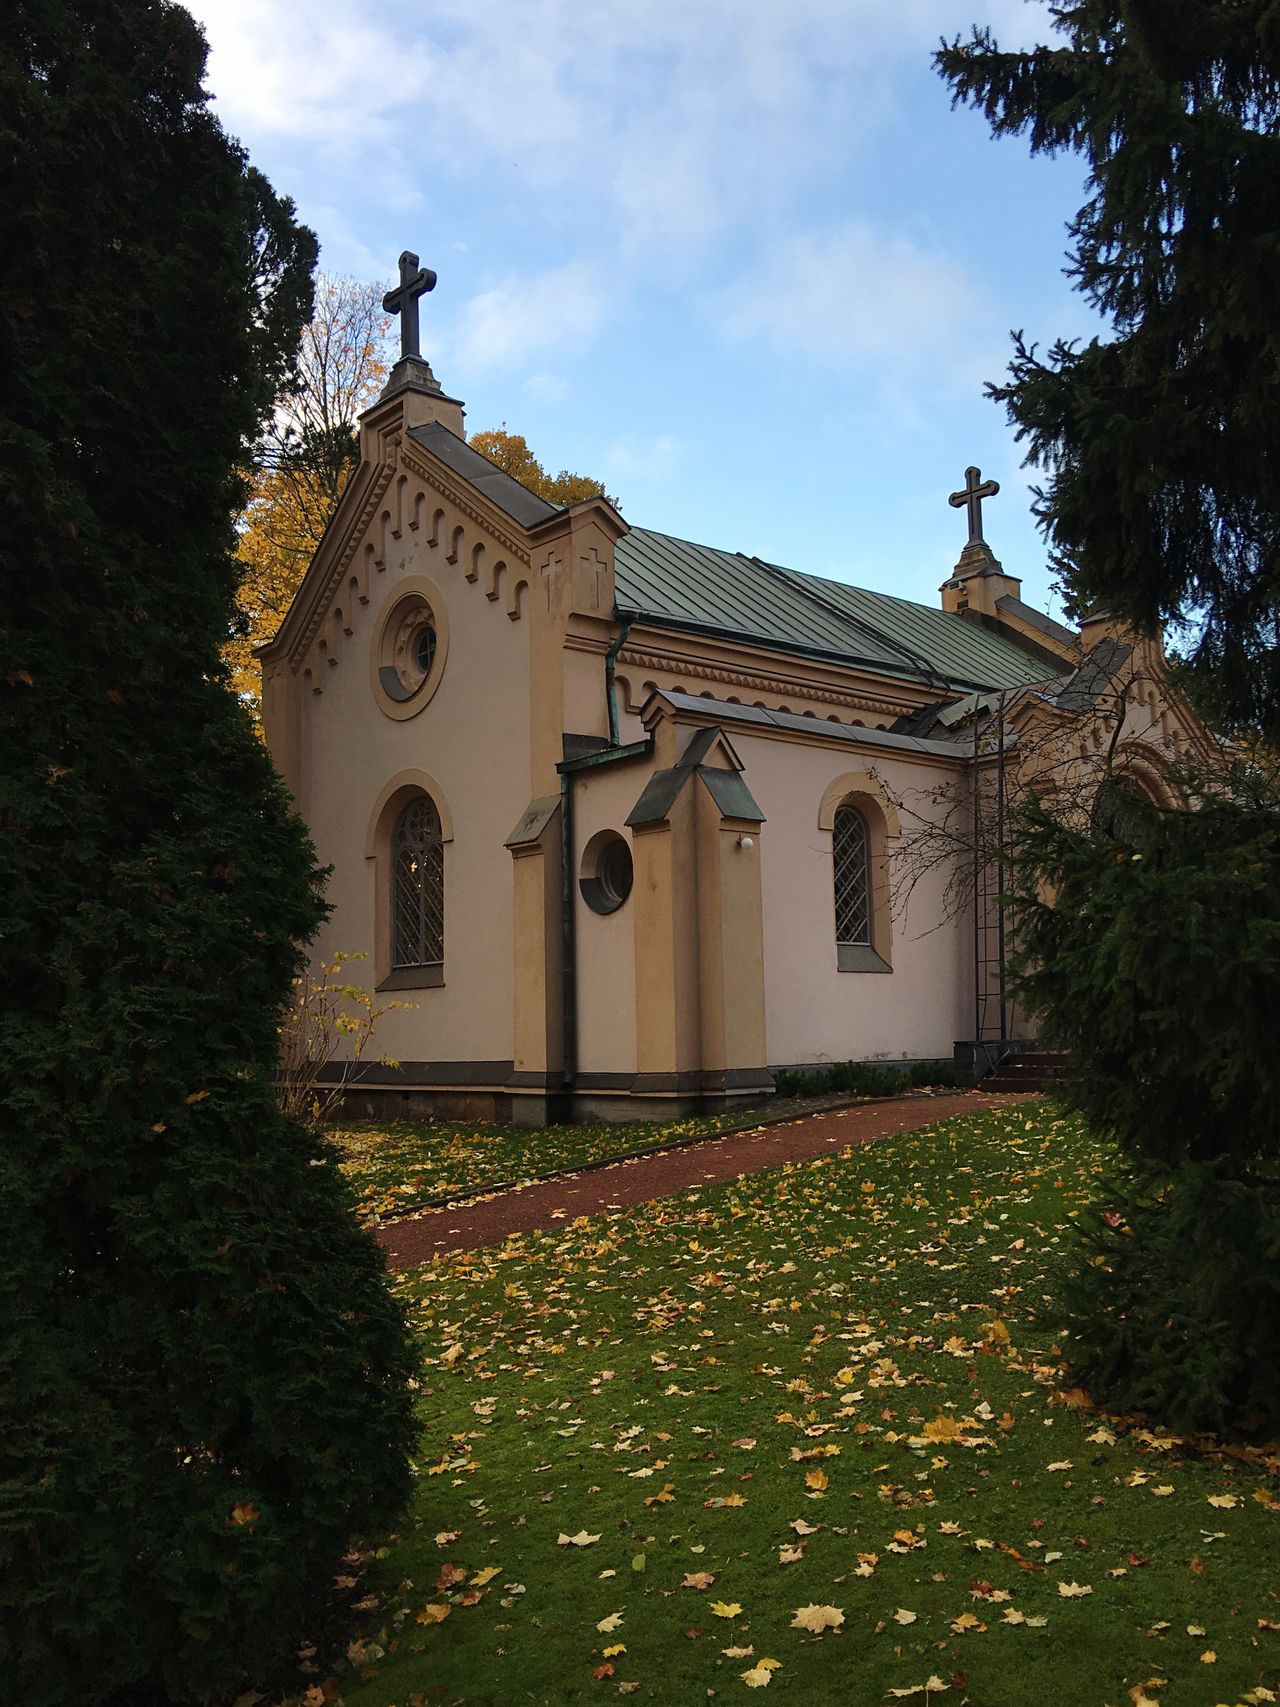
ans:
(860, 1078)
(1151, 953)
(1174, 1300)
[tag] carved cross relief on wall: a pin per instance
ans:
(549, 575)
(594, 567)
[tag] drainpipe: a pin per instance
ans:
(610, 692)
(568, 939)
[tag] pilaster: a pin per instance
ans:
(572, 588)
(537, 950)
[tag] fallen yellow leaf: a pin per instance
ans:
(817, 1618)
(942, 1428)
(758, 1676)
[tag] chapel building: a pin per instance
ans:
(629, 823)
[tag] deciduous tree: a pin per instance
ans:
(304, 460)
(512, 453)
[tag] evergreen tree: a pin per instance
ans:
(202, 1375)
(1151, 951)
(1163, 492)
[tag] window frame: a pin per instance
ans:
(388, 813)
(862, 793)
(425, 844)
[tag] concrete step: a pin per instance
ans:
(1028, 1073)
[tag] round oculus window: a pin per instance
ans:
(424, 647)
(607, 872)
(410, 654)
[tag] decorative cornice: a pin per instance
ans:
(783, 689)
(415, 459)
(321, 601)
(820, 732)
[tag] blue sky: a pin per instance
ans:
(739, 259)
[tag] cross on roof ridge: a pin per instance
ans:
(415, 281)
(970, 498)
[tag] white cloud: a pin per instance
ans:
(546, 387)
(652, 459)
(860, 296)
(317, 72)
(672, 122)
(557, 309)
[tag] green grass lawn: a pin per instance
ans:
(655, 1438)
(395, 1165)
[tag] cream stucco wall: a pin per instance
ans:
(472, 737)
(813, 1011)
(605, 942)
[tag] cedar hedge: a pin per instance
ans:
(203, 1376)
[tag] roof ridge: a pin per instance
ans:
(686, 584)
(679, 539)
(927, 670)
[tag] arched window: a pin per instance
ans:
(851, 849)
(861, 820)
(1120, 807)
(417, 886)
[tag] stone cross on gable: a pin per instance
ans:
(415, 281)
(975, 490)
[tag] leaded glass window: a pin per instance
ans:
(850, 846)
(417, 886)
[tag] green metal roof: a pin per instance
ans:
(683, 585)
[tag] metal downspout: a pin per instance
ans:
(610, 691)
(568, 897)
(568, 941)
(978, 888)
(1000, 870)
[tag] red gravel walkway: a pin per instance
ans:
(416, 1239)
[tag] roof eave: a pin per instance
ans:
(850, 660)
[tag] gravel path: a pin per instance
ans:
(489, 1220)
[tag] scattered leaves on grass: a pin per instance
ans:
(718, 1341)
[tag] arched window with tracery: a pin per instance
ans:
(851, 850)
(417, 886)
